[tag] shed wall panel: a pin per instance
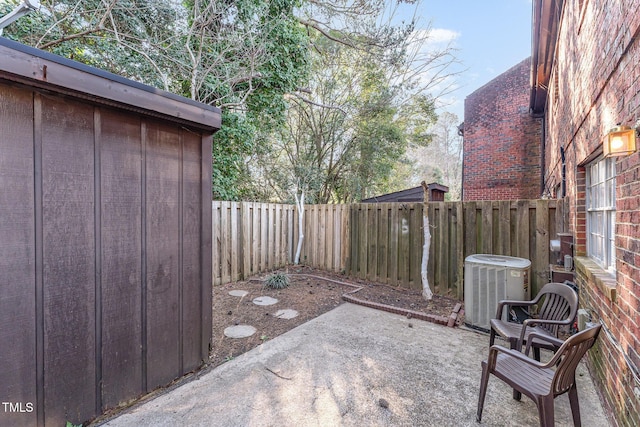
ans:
(191, 265)
(105, 246)
(17, 254)
(163, 254)
(121, 204)
(68, 260)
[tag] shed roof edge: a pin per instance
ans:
(46, 68)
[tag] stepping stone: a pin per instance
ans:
(264, 301)
(239, 331)
(238, 293)
(286, 314)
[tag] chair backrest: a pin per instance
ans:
(560, 303)
(569, 355)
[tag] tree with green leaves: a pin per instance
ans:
(242, 56)
(441, 161)
(347, 133)
(253, 58)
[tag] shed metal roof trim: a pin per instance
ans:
(28, 65)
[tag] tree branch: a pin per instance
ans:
(70, 37)
(317, 104)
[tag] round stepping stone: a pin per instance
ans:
(238, 293)
(287, 313)
(239, 331)
(264, 301)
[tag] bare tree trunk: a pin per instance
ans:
(300, 206)
(426, 291)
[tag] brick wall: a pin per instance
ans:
(501, 140)
(595, 84)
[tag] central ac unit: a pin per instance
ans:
(489, 279)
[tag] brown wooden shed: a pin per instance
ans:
(105, 237)
(434, 190)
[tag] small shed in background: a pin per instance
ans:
(105, 237)
(435, 191)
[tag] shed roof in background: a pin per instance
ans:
(44, 70)
(415, 194)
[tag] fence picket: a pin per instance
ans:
(522, 227)
(372, 241)
(417, 238)
(442, 248)
(225, 243)
(540, 266)
(235, 238)
(215, 242)
(458, 251)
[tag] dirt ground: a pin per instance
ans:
(311, 293)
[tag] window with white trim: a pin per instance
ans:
(601, 212)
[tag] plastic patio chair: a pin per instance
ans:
(559, 308)
(541, 382)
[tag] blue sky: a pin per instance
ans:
(491, 36)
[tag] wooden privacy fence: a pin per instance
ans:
(326, 236)
(386, 242)
(383, 242)
(249, 238)
(387, 238)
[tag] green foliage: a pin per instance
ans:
(331, 111)
(242, 56)
(277, 281)
(347, 139)
(231, 144)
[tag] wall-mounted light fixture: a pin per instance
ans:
(620, 141)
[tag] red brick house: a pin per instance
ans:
(584, 81)
(501, 159)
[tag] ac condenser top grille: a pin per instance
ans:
(489, 279)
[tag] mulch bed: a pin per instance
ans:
(311, 293)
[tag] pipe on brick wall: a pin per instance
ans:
(564, 173)
(543, 149)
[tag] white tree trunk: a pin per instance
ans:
(300, 205)
(426, 291)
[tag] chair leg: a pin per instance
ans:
(575, 407)
(492, 337)
(536, 353)
(516, 394)
(546, 411)
(484, 380)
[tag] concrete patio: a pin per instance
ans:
(355, 366)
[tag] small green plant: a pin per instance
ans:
(277, 281)
(264, 338)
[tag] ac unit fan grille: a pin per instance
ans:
(487, 284)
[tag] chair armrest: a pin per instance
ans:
(533, 322)
(555, 341)
(515, 303)
(495, 349)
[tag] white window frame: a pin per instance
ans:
(601, 213)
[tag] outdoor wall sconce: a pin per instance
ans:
(620, 141)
